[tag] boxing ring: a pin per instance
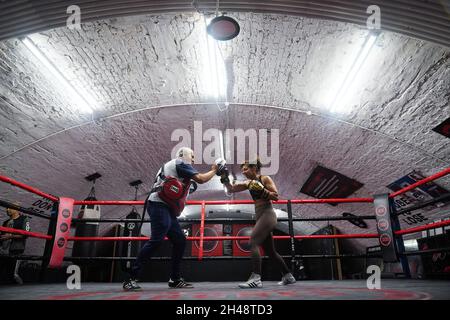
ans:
(58, 236)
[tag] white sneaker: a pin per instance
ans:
(253, 282)
(288, 278)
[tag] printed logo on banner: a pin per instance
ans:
(63, 227)
(380, 211)
(61, 242)
(385, 239)
(383, 224)
(418, 195)
(41, 206)
(65, 213)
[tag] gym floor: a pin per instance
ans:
(391, 289)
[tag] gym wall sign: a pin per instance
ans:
(41, 206)
(420, 194)
(443, 128)
(325, 183)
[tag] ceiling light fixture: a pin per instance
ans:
(338, 103)
(223, 28)
(84, 102)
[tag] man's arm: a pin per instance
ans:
(5, 235)
(205, 177)
(25, 226)
(186, 171)
(11, 236)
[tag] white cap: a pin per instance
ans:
(186, 154)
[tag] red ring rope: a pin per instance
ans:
(421, 182)
(231, 202)
(26, 233)
(422, 228)
(28, 188)
(314, 236)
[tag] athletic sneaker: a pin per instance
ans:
(253, 282)
(179, 284)
(288, 278)
(131, 285)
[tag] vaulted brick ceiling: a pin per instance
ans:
(144, 73)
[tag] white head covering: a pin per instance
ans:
(185, 154)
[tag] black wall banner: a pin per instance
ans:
(418, 195)
(384, 227)
(443, 128)
(325, 183)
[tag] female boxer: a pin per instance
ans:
(263, 190)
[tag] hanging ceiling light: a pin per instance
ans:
(223, 28)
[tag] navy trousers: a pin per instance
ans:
(163, 223)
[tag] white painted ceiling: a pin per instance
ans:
(145, 75)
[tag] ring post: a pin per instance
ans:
(384, 227)
(291, 234)
(49, 243)
(202, 231)
(399, 239)
(60, 228)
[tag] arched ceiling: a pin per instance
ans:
(144, 68)
(427, 20)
